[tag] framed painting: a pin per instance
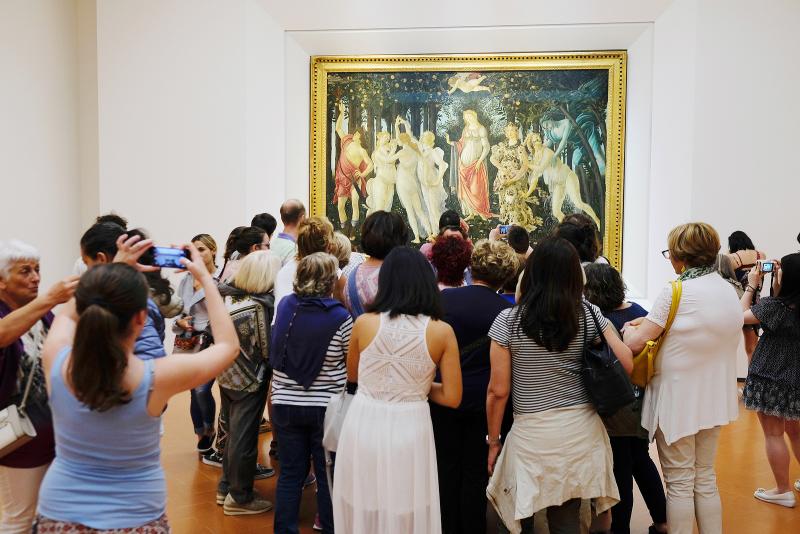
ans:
(501, 139)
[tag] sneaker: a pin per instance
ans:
(797, 484)
(317, 523)
(783, 499)
(258, 505)
(221, 498)
(264, 426)
(212, 458)
(262, 472)
(205, 444)
(310, 480)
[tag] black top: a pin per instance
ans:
(471, 310)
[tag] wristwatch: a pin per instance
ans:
(490, 441)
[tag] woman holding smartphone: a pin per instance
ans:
(191, 334)
(107, 403)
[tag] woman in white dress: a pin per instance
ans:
(385, 476)
(380, 189)
(408, 185)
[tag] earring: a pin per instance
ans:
(683, 269)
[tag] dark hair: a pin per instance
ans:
(449, 218)
(790, 282)
(583, 237)
(381, 232)
(230, 243)
(604, 286)
(112, 218)
(291, 212)
(510, 285)
(739, 240)
(552, 294)
(406, 285)
(106, 299)
(266, 222)
(101, 237)
(249, 236)
(519, 239)
(159, 286)
(451, 256)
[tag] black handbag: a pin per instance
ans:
(606, 381)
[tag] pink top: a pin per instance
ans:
(366, 285)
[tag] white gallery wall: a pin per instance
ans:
(200, 117)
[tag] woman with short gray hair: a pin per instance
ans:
(25, 319)
(309, 345)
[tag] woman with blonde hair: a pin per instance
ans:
(309, 346)
(243, 385)
(192, 333)
(314, 234)
(693, 392)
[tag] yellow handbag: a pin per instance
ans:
(644, 363)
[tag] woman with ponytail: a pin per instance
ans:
(107, 402)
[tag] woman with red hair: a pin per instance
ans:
(450, 257)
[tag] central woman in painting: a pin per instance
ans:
(473, 180)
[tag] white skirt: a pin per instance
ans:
(549, 458)
(385, 479)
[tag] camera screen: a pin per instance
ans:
(169, 257)
(767, 267)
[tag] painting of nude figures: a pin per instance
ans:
(512, 139)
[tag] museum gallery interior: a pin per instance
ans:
(642, 146)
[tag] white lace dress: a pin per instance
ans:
(385, 477)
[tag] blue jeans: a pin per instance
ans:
(203, 408)
(299, 430)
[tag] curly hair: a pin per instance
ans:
(451, 256)
(494, 262)
(604, 286)
(316, 275)
(314, 234)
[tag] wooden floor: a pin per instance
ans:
(741, 468)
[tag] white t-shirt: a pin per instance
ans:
(284, 248)
(694, 386)
(284, 281)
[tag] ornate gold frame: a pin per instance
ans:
(614, 61)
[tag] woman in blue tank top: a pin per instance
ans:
(106, 402)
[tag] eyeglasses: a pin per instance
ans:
(665, 253)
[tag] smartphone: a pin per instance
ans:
(504, 229)
(169, 257)
(766, 266)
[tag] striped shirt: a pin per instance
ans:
(542, 379)
(331, 380)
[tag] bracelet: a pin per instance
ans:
(750, 287)
(492, 441)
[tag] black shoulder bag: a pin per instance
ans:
(606, 381)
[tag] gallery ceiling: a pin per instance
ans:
(310, 15)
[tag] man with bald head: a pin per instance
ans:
(292, 213)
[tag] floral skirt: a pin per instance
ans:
(44, 525)
(771, 398)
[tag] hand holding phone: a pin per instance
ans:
(504, 229)
(169, 257)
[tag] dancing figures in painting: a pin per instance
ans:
(473, 180)
(407, 184)
(511, 182)
(559, 178)
(380, 189)
(431, 169)
(353, 166)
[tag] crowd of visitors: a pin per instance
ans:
(462, 367)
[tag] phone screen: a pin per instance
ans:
(504, 229)
(169, 257)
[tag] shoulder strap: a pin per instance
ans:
(357, 308)
(677, 291)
